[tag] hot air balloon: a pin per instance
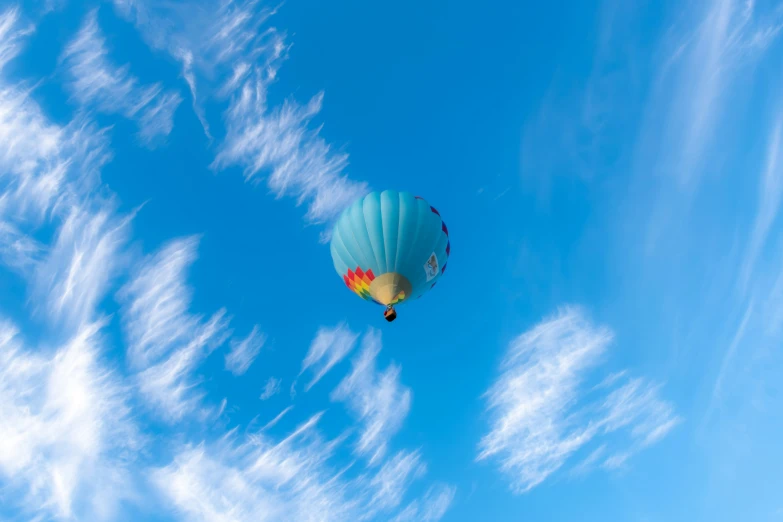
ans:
(390, 247)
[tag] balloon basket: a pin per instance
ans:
(390, 314)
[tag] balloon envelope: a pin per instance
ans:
(390, 247)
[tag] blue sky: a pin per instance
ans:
(176, 345)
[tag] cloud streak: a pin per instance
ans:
(65, 428)
(81, 264)
(378, 399)
(11, 35)
(18, 251)
(165, 342)
(244, 352)
(704, 63)
(431, 507)
(271, 388)
(46, 170)
(330, 346)
(539, 413)
(95, 81)
(392, 480)
(64, 415)
(260, 479)
(299, 162)
(218, 40)
(257, 480)
(769, 197)
(276, 142)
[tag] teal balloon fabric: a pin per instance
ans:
(390, 232)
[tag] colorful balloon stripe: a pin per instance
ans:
(359, 281)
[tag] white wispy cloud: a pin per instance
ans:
(695, 88)
(244, 352)
(637, 406)
(261, 479)
(590, 462)
(66, 434)
(773, 316)
(63, 414)
(431, 507)
(378, 399)
(277, 418)
(329, 347)
(11, 35)
(45, 169)
(276, 142)
(542, 372)
(699, 98)
(170, 385)
(769, 198)
(703, 64)
(186, 57)
(94, 80)
(271, 388)
(539, 413)
(258, 480)
(616, 461)
(392, 480)
(157, 302)
(80, 265)
(34, 170)
(218, 40)
(166, 343)
(729, 357)
(18, 251)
